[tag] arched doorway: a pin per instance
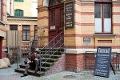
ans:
(56, 20)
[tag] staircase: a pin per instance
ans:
(49, 54)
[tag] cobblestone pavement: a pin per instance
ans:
(65, 75)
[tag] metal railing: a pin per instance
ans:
(48, 49)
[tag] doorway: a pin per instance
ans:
(56, 23)
(1, 38)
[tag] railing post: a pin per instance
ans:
(40, 59)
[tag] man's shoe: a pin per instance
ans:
(36, 71)
(24, 75)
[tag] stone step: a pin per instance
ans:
(47, 64)
(49, 59)
(52, 56)
(31, 72)
(42, 68)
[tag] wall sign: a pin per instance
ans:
(52, 27)
(69, 14)
(86, 41)
(102, 63)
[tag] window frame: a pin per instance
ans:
(26, 31)
(102, 2)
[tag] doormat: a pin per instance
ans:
(10, 77)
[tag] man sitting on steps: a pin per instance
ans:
(32, 62)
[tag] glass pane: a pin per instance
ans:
(28, 37)
(52, 2)
(107, 0)
(52, 18)
(98, 25)
(24, 33)
(28, 33)
(97, 10)
(62, 18)
(21, 13)
(107, 25)
(60, 1)
(107, 10)
(24, 38)
(26, 27)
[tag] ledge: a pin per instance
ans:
(83, 51)
(104, 35)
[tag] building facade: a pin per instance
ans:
(86, 24)
(21, 24)
(3, 21)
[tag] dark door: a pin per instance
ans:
(56, 24)
(1, 38)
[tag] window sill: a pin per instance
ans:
(104, 35)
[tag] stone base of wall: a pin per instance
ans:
(58, 66)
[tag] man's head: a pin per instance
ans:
(35, 52)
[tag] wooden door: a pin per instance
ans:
(56, 23)
(1, 47)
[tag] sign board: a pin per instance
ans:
(69, 14)
(86, 41)
(102, 62)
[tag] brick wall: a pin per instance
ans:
(75, 62)
(58, 66)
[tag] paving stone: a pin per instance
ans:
(65, 75)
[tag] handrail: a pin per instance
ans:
(53, 39)
(49, 48)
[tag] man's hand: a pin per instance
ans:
(36, 58)
(28, 62)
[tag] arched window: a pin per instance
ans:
(19, 13)
(54, 2)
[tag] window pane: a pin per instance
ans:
(52, 2)
(97, 10)
(62, 18)
(60, 1)
(107, 12)
(28, 37)
(107, 25)
(24, 38)
(98, 25)
(24, 33)
(13, 27)
(52, 18)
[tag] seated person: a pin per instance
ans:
(32, 62)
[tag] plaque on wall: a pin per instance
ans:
(69, 15)
(52, 27)
(102, 62)
(86, 41)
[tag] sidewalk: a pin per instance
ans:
(65, 75)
